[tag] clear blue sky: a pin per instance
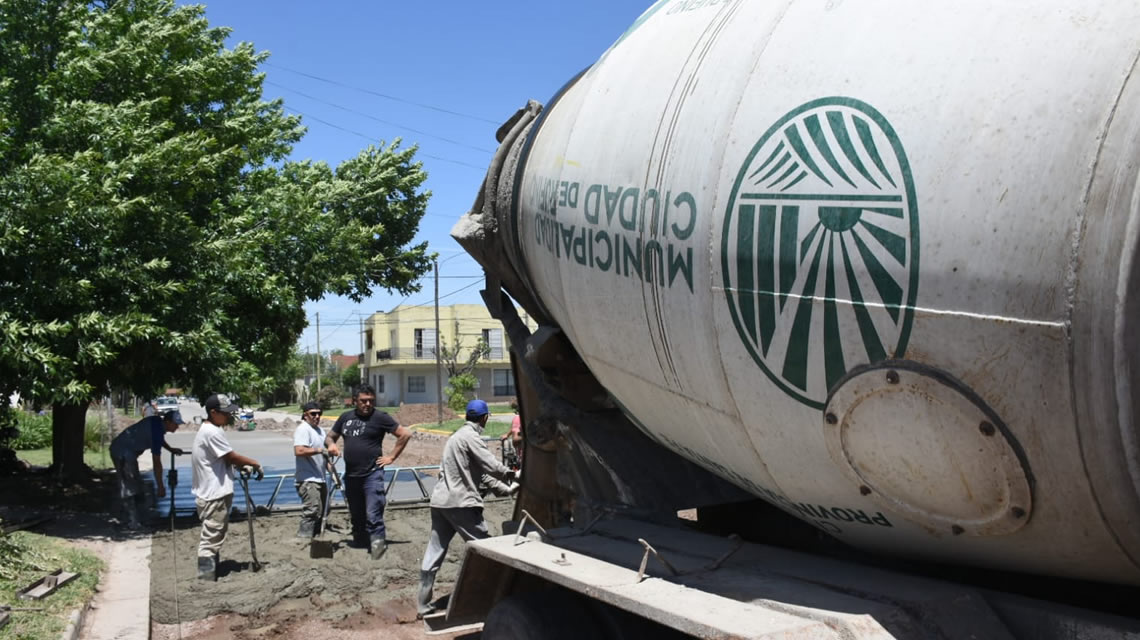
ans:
(480, 59)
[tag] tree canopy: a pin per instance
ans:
(153, 229)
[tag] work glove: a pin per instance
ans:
(255, 471)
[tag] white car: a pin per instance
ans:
(166, 403)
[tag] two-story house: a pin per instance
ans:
(400, 352)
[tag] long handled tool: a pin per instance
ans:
(172, 482)
(244, 474)
(321, 547)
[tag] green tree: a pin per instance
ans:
(151, 227)
(350, 377)
(458, 389)
(460, 372)
(449, 356)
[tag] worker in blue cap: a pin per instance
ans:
(467, 471)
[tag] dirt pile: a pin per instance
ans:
(292, 591)
(411, 414)
(269, 424)
(424, 449)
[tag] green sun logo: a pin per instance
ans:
(819, 251)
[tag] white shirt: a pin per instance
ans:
(309, 467)
(211, 474)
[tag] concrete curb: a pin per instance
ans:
(75, 622)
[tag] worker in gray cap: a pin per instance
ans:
(467, 471)
(213, 484)
(148, 433)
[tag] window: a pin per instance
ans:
(368, 340)
(424, 343)
(494, 340)
(503, 381)
(417, 384)
(379, 384)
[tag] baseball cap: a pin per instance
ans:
(221, 403)
(477, 408)
(174, 416)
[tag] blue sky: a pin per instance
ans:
(482, 60)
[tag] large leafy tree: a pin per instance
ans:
(152, 230)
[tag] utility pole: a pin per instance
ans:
(363, 356)
(438, 356)
(318, 352)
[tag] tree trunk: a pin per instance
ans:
(68, 422)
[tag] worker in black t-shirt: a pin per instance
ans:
(363, 429)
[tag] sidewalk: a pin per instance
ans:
(121, 609)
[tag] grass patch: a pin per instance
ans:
(494, 427)
(26, 557)
(42, 458)
(295, 410)
(501, 407)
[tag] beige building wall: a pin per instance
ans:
(400, 352)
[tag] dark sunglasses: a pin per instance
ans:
(313, 414)
(366, 400)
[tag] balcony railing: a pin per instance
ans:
(406, 353)
(428, 353)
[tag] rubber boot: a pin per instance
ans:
(424, 606)
(207, 568)
(306, 529)
(379, 546)
(132, 518)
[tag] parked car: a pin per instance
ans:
(166, 403)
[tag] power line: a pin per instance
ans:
(346, 321)
(447, 295)
(368, 137)
(380, 120)
(384, 95)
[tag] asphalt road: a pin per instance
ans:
(274, 451)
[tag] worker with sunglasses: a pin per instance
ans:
(309, 476)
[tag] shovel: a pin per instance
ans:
(320, 546)
(243, 475)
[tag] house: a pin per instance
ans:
(342, 362)
(400, 352)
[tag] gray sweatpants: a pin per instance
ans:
(445, 523)
(130, 480)
(131, 493)
(215, 517)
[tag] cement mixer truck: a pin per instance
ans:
(855, 287)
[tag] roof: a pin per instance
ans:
(344, 361)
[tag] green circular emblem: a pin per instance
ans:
(820, 246)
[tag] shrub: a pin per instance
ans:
(457, 389)
(34, 431)
(331, 397)
(94, 433)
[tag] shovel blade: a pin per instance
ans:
(320, 548)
